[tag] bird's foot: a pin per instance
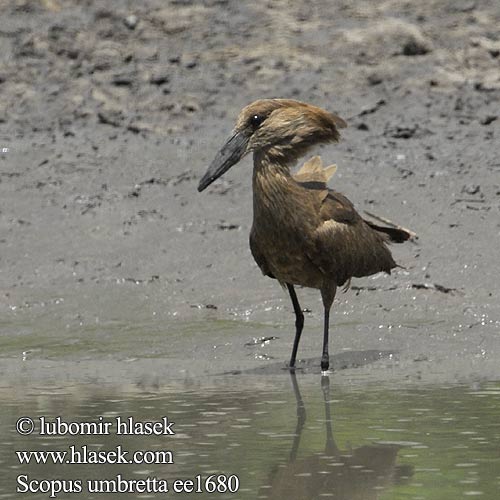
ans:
(325, 364)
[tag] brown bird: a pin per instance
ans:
(303, 233)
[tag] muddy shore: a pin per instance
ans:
(114, 268)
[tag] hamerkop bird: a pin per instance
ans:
(303, 233)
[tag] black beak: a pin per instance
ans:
(231, 153)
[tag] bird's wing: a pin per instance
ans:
(395, 234)
(345, 245)
(336, 207)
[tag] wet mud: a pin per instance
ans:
(114, 268)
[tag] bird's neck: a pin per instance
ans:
(273, 185)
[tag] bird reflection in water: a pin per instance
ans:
(357, 474)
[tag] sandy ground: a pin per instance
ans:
(112, 265)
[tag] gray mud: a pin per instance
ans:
(114, 269)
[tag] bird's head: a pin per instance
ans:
(281, 129)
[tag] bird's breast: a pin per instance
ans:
(281, 239)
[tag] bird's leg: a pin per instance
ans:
(299, 323)
(325, 357)
(330, 446)
(327, 294)
(301, 418)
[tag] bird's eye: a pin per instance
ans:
(256, 120)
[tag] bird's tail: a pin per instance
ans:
(394, 234)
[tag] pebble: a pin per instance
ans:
(131, 22)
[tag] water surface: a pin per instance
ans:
(302, 437)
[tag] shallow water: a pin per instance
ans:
(302, 437)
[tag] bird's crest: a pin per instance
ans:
(313, 171)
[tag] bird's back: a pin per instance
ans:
(319, 237)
